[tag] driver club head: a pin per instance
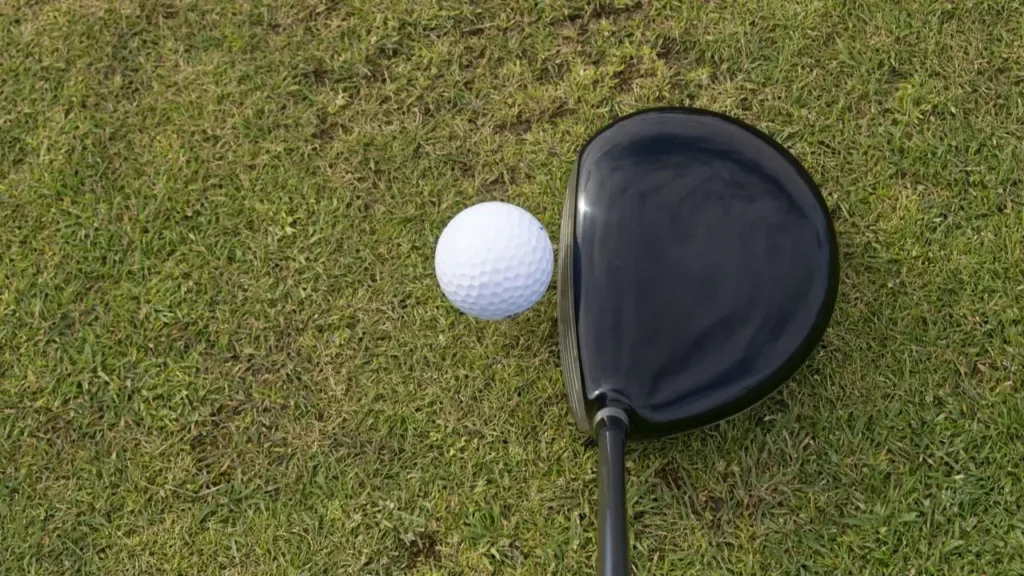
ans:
(698, 269)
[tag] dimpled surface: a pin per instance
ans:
(494, 260)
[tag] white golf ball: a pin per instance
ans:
(494, 260)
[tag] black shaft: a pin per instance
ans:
(612, 535)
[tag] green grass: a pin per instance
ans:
(222, 349)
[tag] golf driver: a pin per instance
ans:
(698, 269)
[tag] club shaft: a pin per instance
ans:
(612, 534)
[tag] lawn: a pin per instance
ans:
(223, 350)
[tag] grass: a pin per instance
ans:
(222, 349)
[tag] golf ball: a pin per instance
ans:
(494, 260)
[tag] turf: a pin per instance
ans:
(222, 349)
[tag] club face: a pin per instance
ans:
(698, 270)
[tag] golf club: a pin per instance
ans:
(698, 270)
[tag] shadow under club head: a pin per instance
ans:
(698, 270)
